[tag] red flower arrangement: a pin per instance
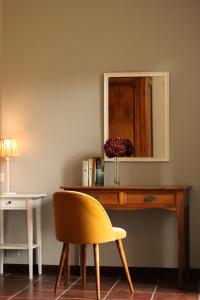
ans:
(118, 147)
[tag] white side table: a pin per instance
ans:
(23, 202)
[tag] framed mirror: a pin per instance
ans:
(136, 107)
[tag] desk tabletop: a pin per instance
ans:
(127, 187)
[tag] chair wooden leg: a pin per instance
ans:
(96, 260)
(67, 266)
(83, 263)
(61, 265)
(124, 262)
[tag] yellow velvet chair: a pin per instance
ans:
(81, 219)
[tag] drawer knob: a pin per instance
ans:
(149, 198)
(9, 202)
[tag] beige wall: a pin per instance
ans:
(0, 60)
(54, 57)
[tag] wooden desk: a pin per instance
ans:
(172, 198)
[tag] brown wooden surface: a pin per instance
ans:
(124, 262)
(61, 265)
(97, 268)
(83, 264)
(67, 266)
(121, 108)
(173, 198)
(130, 112)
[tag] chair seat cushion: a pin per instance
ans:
(119, 233)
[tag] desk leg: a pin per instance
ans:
(38, 236)
(183, 237)
(1, 239)
(187, 241)
(30, 237)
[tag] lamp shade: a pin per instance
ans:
(8, 147)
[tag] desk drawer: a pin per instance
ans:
(13, 204)
(151, 199)
(106, 198)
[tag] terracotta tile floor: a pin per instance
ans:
(14, 286)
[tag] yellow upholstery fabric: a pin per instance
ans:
(81, 219)
(119, 233)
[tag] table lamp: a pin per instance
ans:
(8, 149)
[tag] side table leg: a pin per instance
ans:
(30, 237)
(38, 236)
(1, 239)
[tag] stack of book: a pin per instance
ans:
(93, 172)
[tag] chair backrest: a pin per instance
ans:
(80, 219)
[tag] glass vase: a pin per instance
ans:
(116, 174)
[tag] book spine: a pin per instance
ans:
(85, 181)
(99, 172)
(94, 171)
(90, 171)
